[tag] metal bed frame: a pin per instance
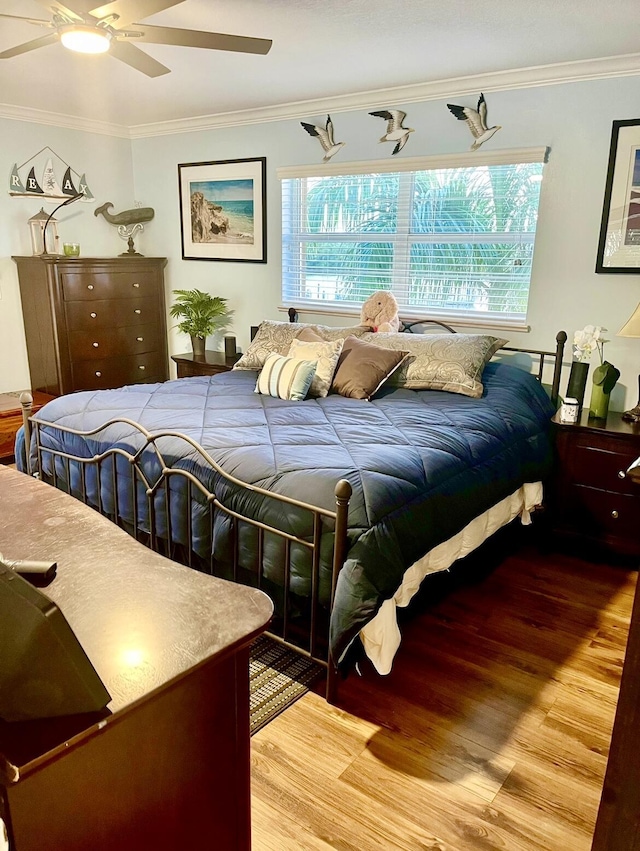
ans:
(312, 639)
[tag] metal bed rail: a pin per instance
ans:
(153, 481)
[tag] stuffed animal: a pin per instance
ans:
(380, 312)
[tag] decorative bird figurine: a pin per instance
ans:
(476, 121)
(396, 131)
(325, 137)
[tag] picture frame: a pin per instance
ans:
(619, 243)
(223, 212)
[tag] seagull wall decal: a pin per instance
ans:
(396, 131)
(476, 121)
(325, 136)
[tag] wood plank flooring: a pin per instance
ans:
(490, 734)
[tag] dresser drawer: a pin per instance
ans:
(603, 468)
(107, 285)
(87, 316)
(115, 372)
(113, 342)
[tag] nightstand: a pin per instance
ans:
(592, 499)
(213, 362)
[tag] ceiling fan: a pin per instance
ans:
(82, 26)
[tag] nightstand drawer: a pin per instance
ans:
(602, 468)
(111, 342)
(602, 512)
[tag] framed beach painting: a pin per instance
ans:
(619, 246)
(223, 210)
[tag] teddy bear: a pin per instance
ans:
(380, 312)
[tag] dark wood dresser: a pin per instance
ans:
(166, 765)
(593, 500)
(93, 323)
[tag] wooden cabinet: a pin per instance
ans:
(93, 323)
(593, 499)
(166, 765)
(213, 362)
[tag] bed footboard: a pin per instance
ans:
(185, 506)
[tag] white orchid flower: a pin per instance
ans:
(588, 339)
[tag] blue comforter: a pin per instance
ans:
(421, 464)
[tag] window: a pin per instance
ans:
(452, 237)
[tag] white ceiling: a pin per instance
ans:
(322, 49)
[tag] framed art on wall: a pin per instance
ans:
(619, 245)
(223, 210)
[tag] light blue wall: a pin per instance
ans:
(106, 161)
(574, 120)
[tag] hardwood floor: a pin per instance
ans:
(490, 734)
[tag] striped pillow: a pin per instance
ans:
(285, 378)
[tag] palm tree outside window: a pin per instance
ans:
(452, 241)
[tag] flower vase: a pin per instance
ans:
(605, 377)
(578, 381)
(198, 344)
(599, 405)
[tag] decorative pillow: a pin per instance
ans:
(451, 362)
(277, 336)
(285, 378)
(363, 368)
(326, 354)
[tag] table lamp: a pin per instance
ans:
(631, 328)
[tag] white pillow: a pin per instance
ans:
(285, 378)
(326, 354)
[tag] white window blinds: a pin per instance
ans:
(451, 237)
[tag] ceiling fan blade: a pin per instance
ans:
(55, 8)
(43, 41)
(209, 41)
(137, 59)
(38, 21)
(129, 11)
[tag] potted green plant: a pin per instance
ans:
(201, 315)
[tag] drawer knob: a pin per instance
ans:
(622, 474)
(138, 311)
(98, 374)
(142, 367)
(95, 345)
(89, 286)
(140, 339)
(614, 514)
(136, 286)
(93, 315)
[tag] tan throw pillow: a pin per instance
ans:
(363, 368)
(451, 362)
(277, 336)
(326, 354)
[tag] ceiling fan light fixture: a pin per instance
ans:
(85, 39)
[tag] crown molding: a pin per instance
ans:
(56, 119)
(626, 65)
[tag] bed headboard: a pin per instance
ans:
(543, 356)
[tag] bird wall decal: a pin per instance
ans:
(396, 131)
(325, 136)
(476, 121)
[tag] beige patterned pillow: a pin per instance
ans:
(326, 354)
(451, 362)
(277, 337)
